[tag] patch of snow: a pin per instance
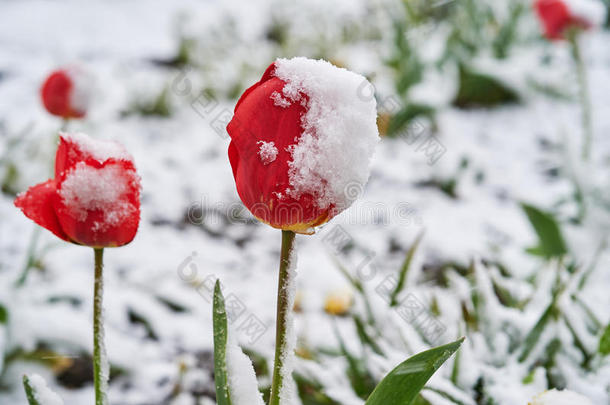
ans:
(43, 394)
(565, 397)
(242, 379)
(81, 93)
(339, 130)
(279, 100)
(267, 152)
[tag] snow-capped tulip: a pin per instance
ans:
(67, 93)
(94, 199)
(301, 142)
(558, 16)
(565, 397)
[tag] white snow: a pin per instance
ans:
(242, 379)
(565, 397)
(100, 150)
(267, 152)
(86, 188)
(82, 87)
(279, 100)
(592, 11)
(43, 394)
(339, 130)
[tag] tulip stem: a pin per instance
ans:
(285, 300)
(100, 363)
(585, 102)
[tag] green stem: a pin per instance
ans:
(31, 257)
(585, 102)
(64, 124)
(100, 367)
(284, 302)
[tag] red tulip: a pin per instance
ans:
(66, 93)
(558, 16)
(300, 138)
(94, 199)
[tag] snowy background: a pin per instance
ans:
(167, 75)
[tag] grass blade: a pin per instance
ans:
(402, 385)
(223, 396)
(402, 275)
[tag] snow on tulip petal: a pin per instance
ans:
(267, 152)
(339, 130)
(76, 147)
(37, 204)
(324, 132)
(99, 206)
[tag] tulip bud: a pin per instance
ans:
(301, 139)
(94, 199)
(66, 93)
(558, 16)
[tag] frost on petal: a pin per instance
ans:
(339, 130)
(267, 152)
(43, 394)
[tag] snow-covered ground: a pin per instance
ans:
(194, 228)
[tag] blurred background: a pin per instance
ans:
(480, 219)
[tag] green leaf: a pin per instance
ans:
(534, 335)
(402, 275)
(3, 315)
(402, 385)
(404, 123)
(551, 242)
(604, 342)
(482, 90)
(364, 336)
(30, 391)
(223, 396)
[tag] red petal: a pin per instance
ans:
(556, 18)
(56, 92)
(266, 76)
(67, 155)
(37, 204)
